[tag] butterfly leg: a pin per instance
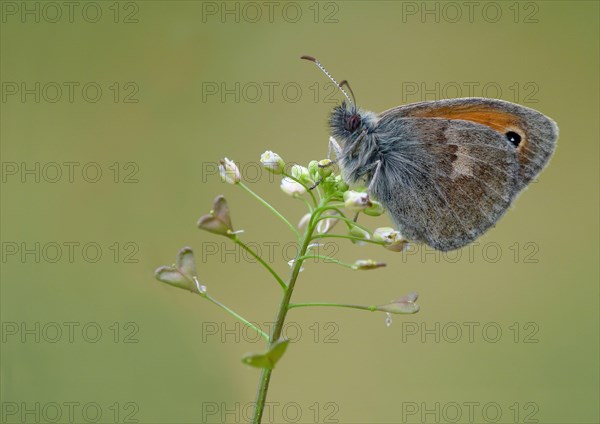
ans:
(357, 142)
(377, 166)
(334, 145)
(316, 183)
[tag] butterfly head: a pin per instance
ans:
(353, 120)
(345, 121)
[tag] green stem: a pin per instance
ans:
(337, 305)
(339, 211)
(321, 236)
(261, 396)
(351, 223)
(262, 262)
(308, 205)
(335, 205)
(326, 259)
(265, 377)
(272, 209)
(238, 316)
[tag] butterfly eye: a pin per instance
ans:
(514, 138)
(353, 122)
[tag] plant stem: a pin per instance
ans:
(326, 259)
(337, 305)
(307, 203)
(238, 316)
(262, 262)
(350, 222)
(272, 209)
(322, 236)
(265, 377)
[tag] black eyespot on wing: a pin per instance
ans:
(514, 138)
(353, 122)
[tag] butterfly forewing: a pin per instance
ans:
(533, 134)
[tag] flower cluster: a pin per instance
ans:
(329, 201)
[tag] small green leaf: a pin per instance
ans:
(269, 359)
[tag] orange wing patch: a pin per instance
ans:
(490, 117)
(501, 122)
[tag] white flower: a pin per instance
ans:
(392, 238)
(272, 162)
(304, 221)
(229, 171)
(356, 201)
(327, 224)
(291, 187)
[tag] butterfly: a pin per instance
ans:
(446, 170)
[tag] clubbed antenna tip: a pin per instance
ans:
(316, 62)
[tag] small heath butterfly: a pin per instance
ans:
(445, 170)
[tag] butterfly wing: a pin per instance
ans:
(444, 181)
(535, 132)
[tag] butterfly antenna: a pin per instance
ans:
(347, 84)
(316, 62)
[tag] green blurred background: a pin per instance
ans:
(157, 360)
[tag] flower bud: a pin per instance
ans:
(313, 169)
(272, 162)
(325, 168)
(366, 264)
(358, 232)
(376, 209)
(229, 171)
(341, 185)
(300, 172)
(356, 201)
(392, 238)
(292, 187)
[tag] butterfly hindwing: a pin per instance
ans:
(444, 181)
